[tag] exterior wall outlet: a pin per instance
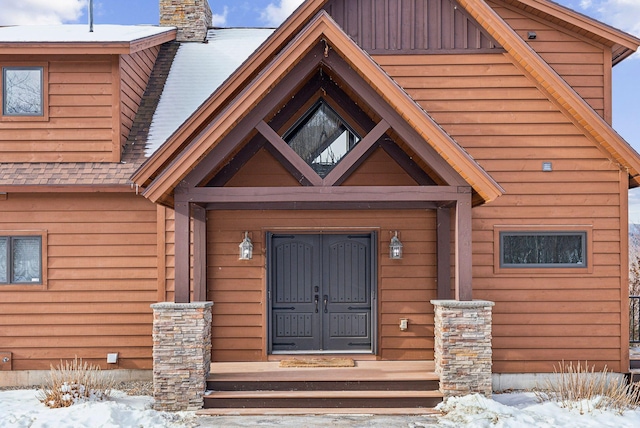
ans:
(6, 361)
(112, 358)
(404, 324)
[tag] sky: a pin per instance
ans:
(622, 14)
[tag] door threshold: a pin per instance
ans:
(355, 356)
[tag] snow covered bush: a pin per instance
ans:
(582, 388)
(75, 382)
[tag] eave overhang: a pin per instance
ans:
(86, 48)
(321, 29)
(557, 89)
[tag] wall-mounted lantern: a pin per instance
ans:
(395, 247)
(246, 248)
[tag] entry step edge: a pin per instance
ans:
(321, 394)
(399, 411)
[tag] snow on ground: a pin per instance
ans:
(518, 410)
(21, 409)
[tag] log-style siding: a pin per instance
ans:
(497, 114)
(583, 63)
(92, 101)
(101, 279)
(79, 128)
(135, 72)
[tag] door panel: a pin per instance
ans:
(320, 293)
(296, 273)
(347, 282)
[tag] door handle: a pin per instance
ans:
(326, 300)
(316, 302)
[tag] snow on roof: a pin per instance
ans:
(78, 33)
(198, 69)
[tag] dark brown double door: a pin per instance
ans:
(321, 296)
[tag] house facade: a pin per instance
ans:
(322, 186)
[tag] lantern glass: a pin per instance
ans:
(246, 248)
(395, 247)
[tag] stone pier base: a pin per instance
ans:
(181, 354)
(463, 346)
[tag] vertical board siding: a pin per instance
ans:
(502, 120)
(238, 288)
(135, 72)
(102, 277)
(408, 26)
(579, 62)
(79, 128)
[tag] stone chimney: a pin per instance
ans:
(192, 17)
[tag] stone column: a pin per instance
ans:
(463, 346)
(181, 354)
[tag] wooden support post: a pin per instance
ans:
(463, 254)
(199, 253)
(443, 251)
(182, 292)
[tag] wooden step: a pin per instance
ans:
(408, 411)
(215, 384)
(326, 399)
(263, 387)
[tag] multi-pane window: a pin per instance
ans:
(543, 249)
(20, 260)
(23, 91)
(322, 138)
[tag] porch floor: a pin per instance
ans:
(371, 387)
(364, 370)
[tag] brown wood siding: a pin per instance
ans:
(80, 122)
(510, 129)
(135, 72)
(238, 288)
(262, 170)
(580, 62)
(102, 275)
(379, 170)
(408, 26)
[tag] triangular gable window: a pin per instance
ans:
(321, 138)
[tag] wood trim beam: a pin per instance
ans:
(406, 163)
(399, 125)
(230, 88)
(161, 248)
(182, 256)
(238, 161)
(463, 253)
(199, 253)
(443, 232)
(356, 155)
(256, 115)
(323, 205)
(289, 154)
(324, 194)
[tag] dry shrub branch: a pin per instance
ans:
(75, 382)
(582, 388)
